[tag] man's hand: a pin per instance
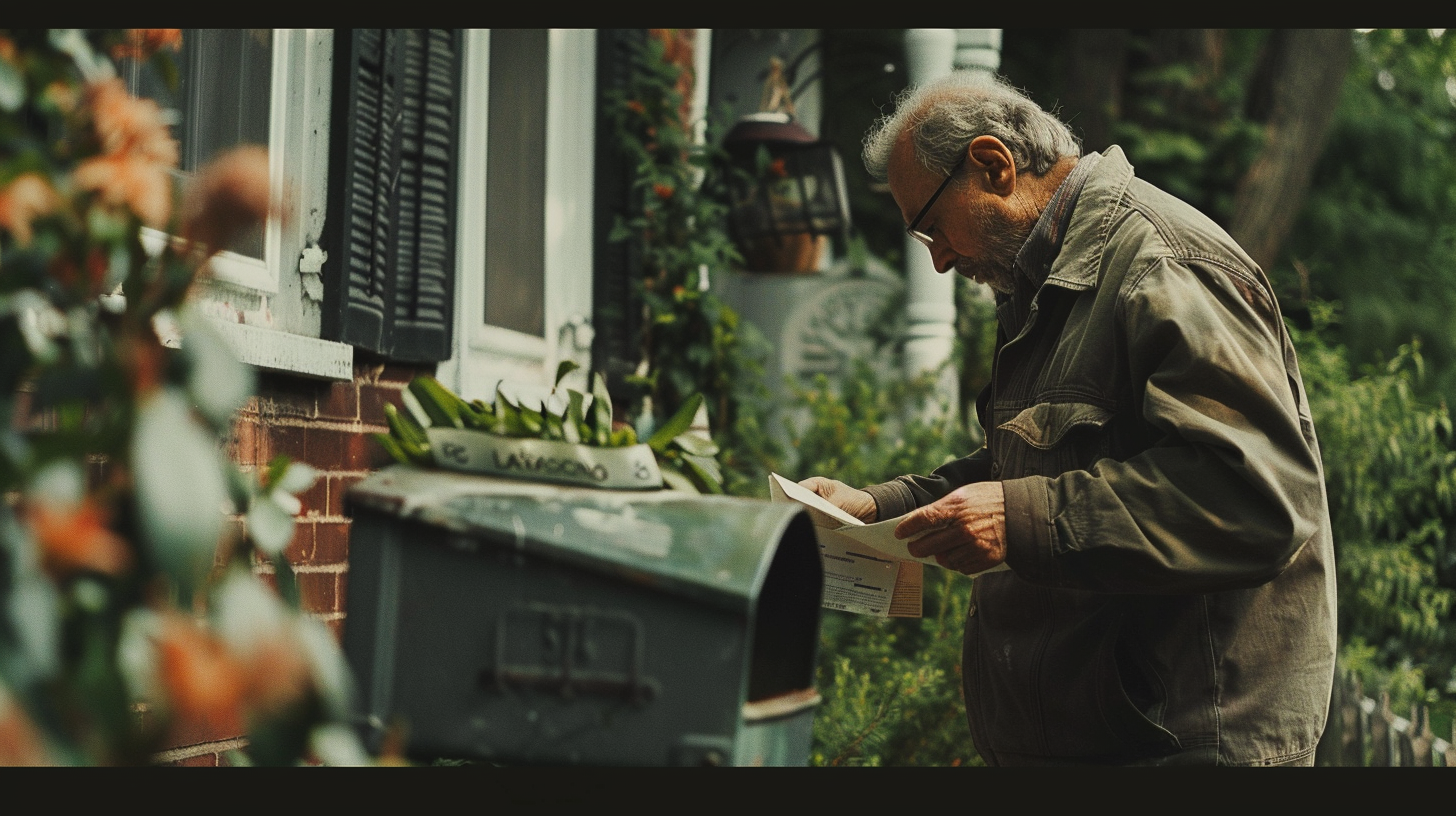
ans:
(967, 528)
(855, 502)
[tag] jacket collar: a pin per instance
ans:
(1077, 264)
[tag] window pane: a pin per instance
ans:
(225, 80)
(515, 182)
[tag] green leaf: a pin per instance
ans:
(676, 481)
(573, 423)
(180, 487)
(443, 407)
(274, 473)
(706, 470)
(270, 526)
(12, 87)
(532, 420)
(415, 409)
(623, 437)
(562, 369)
(601, 411)
(552, 427)
(392, 448)
(404, 427)
(298, 478)
(696, 445)
(680, 421)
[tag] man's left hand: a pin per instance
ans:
(967, 528)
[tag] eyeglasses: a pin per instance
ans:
(917, 234)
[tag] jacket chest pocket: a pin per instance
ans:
(1051, 438)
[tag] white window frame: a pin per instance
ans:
(269, 309)
(485, 357)
(230, 267)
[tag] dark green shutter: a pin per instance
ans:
(393, 159)
(617, 309)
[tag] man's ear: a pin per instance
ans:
(991, 156)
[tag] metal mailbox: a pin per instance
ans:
(528, 623)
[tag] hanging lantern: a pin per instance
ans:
(788, 195)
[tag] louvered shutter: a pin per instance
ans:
(392, 190)
(617, 316)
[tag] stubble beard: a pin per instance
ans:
(1002, 239)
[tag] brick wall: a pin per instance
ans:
(327, 426)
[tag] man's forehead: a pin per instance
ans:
(906, 176)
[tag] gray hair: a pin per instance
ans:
(945, 114)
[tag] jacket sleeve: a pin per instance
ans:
(905, 493)
(1233, 487)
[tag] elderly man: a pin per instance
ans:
(1150, 477)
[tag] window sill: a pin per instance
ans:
(280, 351)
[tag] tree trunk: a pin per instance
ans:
(1096, 63)
(1301, 91)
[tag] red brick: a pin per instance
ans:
(331, 542)
(249, 407)
(243, 441)
(371, 403)
(340, 403)
(300, 551)
(316, 498)
(284, 396)
(338, 488)
(284, 440)
(401, 373)
(336, 449)
(318, 592)
(336, 625)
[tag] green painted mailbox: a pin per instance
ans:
(527, 623)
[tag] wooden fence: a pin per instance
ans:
(1365, 732)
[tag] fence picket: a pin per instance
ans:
(1365, 733)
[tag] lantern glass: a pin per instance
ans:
(800, 191)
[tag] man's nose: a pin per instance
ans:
(942, 256)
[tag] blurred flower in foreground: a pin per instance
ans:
(204, 682)
(21, 743)
(226, 197)
(76, 537)
(138, 152)
(142, 43)
(26, 198)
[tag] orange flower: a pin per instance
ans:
(127, 180)
(636, 106)
(663, 191)
(128, 124)
(205, 683)
(226, 197)
(278, 675)
(26, 198)
(7, 48)
(142, 43)
(137, 153)
(21, 743)
(777, 168)
(77, 538)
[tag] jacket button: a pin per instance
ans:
(995, 468)
(971, 612)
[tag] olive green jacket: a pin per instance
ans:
(1171, 596)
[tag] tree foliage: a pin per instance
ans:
(130, 610)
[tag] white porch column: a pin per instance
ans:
(930, 296)
(978, 49)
